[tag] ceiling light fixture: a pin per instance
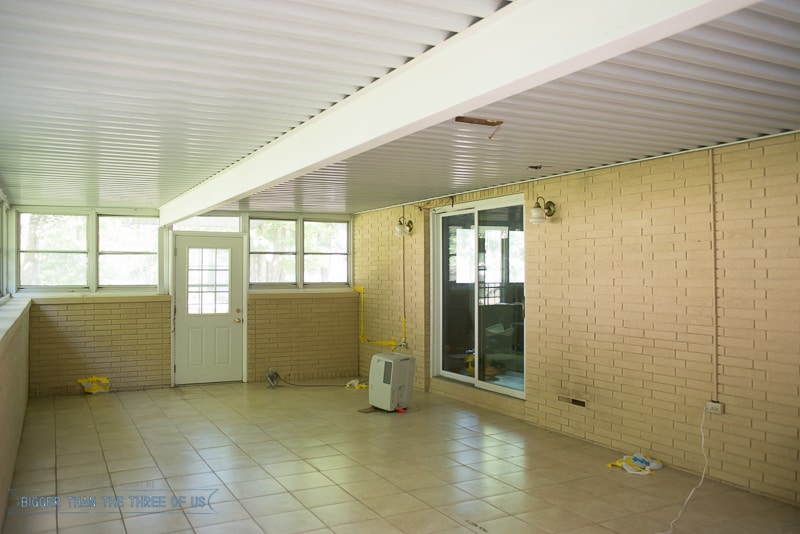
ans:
(403, 227)
(540, 212)
(494, 123)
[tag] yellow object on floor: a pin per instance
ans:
(637, 464)
(95, 384)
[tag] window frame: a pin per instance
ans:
(5, 248)
(293, 253)
(299, 221)
(85, 251)
(100, 253)
(164, 254)
(306, 254)
(92, 251)
(211, 229)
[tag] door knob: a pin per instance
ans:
(237, 320)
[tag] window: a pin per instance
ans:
(324, 252)
(53, 250)
(276, 245)
(86, 250)
(273, 252)
(3, 246)
(127, 251)
(208, 223)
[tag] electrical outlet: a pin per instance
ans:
(715, 407)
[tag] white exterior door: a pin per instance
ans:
(209, 309)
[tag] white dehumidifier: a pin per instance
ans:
(391, 381)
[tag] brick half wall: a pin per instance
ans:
(126, 339)
(303, 336)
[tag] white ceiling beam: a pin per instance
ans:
(524, 45)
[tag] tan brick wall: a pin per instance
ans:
(758, 265)
(303, 335)
(620, 308)
(14, 324)
(126, 339)
(380, 262)
(619, 301)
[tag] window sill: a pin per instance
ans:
(96, 298)
(303, 293)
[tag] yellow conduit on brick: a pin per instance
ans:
(392, 342)
(388, 343)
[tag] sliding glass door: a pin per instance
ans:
(501, 271)
(458, 276)
(480, 290)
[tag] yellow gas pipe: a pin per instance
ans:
(387, 343)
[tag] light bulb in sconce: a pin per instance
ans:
(403, 227)
(540, 212)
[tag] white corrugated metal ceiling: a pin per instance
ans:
(116, 103)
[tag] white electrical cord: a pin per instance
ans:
(702, 476)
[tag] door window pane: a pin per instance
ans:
(208, 281)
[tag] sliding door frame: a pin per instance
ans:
(438, 245)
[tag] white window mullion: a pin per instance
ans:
(244, 224)
(300, 251)
(350, 279)
(164, 260)
(3, 247)
(13, 250)
(92, 237)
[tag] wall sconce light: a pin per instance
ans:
(539, 213)
(403, 227)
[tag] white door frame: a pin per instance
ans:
(173, 292)
(437, 218)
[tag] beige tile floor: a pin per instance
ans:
(292, 459)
